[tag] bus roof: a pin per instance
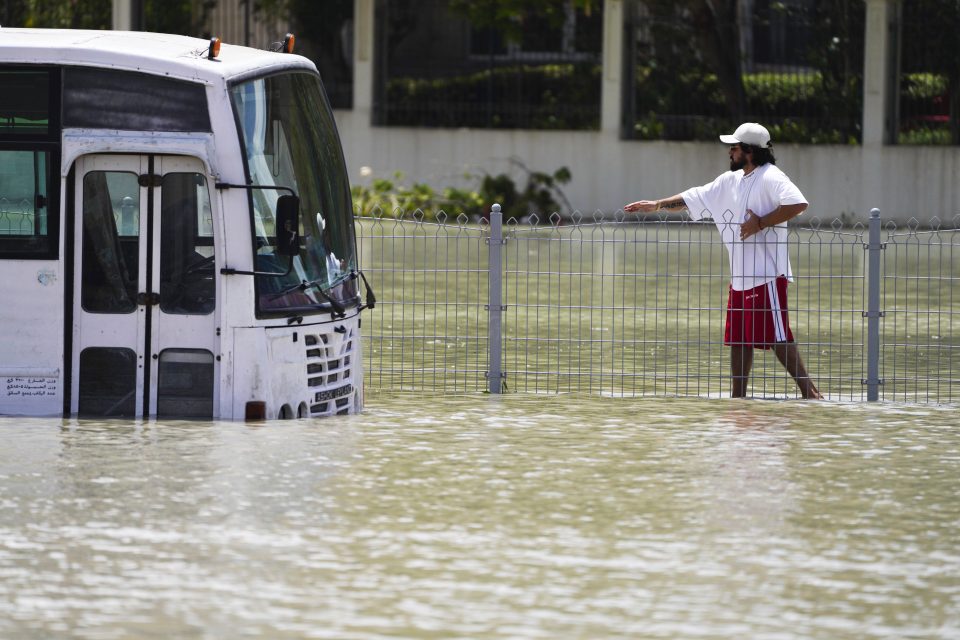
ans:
(175, 56)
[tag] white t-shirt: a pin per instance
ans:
(761, 257)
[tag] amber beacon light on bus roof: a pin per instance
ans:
(285, 46)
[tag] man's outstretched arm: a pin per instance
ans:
(671, 204)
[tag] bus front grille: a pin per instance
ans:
(330, 372)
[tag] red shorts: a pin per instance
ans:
(758, 317)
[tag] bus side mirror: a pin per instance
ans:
(288, 225)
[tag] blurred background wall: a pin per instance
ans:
(862, 97)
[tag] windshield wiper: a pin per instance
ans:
(321, 288)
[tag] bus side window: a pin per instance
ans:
(25, 225)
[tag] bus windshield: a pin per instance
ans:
(290, 140)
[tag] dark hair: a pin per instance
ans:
(761, 155)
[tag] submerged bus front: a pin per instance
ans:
(290, 145)
(176, 232)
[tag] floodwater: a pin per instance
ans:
(489, 517)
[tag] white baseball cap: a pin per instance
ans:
(749, 133)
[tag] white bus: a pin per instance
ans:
(176, 232)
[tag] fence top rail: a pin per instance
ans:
(535, 223)
(419, 216)
(934, 224)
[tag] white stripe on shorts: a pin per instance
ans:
(779, 333)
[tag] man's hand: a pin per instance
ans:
(750, 226)
(642, 206)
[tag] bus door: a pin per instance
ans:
(145, 295)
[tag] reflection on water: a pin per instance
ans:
(526, 517)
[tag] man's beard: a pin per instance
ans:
(736, 165)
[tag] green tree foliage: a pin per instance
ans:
(166, 16)
(320, 30)
(929, 40)
(184, 17)
(323, 35)
(693, 76)
(540, 193)
(699, 34)
(555, 96)
(836, 54)
(507, 16)
(59, 14)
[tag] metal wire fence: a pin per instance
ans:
(594, 305)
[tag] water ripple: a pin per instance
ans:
(519, 517)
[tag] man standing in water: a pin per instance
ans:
(750, 205)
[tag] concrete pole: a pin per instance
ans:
(611, 94)
(246, 22)
(363, 21)
(123, 12)
(880, 72)
(881, 68)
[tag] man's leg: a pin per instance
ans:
(741, 360)
(789, 357)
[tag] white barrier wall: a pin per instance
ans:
(903, 182)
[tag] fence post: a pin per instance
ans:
(495, 374)
(873, 313)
